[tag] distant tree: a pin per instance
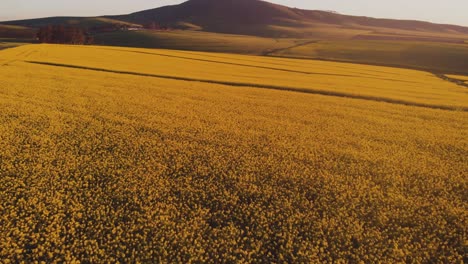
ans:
(74, 35)
(153, 26)
(45, 34)
(60, 34)
(89, 39)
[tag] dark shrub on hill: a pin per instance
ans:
(61, 34)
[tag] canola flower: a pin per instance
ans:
(106, 167)
(458, 77)
(409, 87)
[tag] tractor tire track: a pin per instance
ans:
(271, 52)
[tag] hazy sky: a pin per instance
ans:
(447, 11)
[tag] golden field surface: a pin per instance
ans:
(106, 164)
(402, 86)
(459, 77)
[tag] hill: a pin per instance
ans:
(85, 22)
(260, 18)
(255, 17)
(12, 31)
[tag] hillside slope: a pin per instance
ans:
(261, 18)
(85, 22)
(428, 56)
(12, 31)
(255, 17)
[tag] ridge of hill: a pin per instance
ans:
(66, 20)
(261, 18)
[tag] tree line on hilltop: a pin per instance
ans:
(60, 34)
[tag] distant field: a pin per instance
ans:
(407, 35)
(340, 79)
(440, 57)
(9, 31)
(145, 156)
(195, 40)
(311, 30)
(459, 77)
(19, 40)
(6, 45)
(85, 22)
(339, 32)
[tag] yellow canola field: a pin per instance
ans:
(376, 83)
(106, 167)
(458, 77)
